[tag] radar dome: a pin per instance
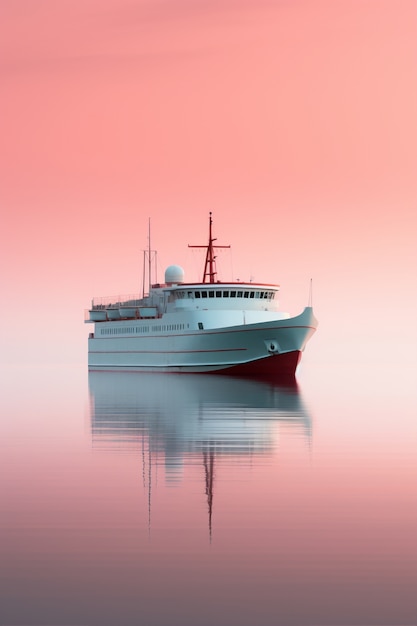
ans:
(174, 274)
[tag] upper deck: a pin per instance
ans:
(175, 295)
(192, 296)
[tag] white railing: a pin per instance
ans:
(116, 301)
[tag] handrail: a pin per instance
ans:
(117, 301)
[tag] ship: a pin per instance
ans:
(208, 327)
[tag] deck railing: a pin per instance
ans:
(116, 301)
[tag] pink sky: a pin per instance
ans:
(294, 122)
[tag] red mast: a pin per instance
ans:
(210, 264)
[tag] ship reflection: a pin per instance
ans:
(172, 420)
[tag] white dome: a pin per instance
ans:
(174, 274)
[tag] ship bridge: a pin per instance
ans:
(225, 296)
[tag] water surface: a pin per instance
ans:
(146, 499)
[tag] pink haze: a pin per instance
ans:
(293, 122)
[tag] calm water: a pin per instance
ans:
(139, 499)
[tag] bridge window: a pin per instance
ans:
(218, 294)
(225, 294)
(204, 294)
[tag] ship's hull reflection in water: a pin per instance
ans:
(179, 420)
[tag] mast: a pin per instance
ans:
(210, 258)
(208, 456)
(149, 256)
(143, 276)
(210, 263)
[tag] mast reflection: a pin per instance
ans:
(178, 419)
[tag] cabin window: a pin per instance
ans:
(211, 294)
(197, 294)
(225, 294)
(240, 294)
(200, 326)
(218, 294)
(233, 294)
(252, 294)
(204, 294)
(246, 294)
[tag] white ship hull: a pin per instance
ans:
(265, 348)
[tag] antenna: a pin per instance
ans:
(310, 295)
(143, 275)
(149, 255)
